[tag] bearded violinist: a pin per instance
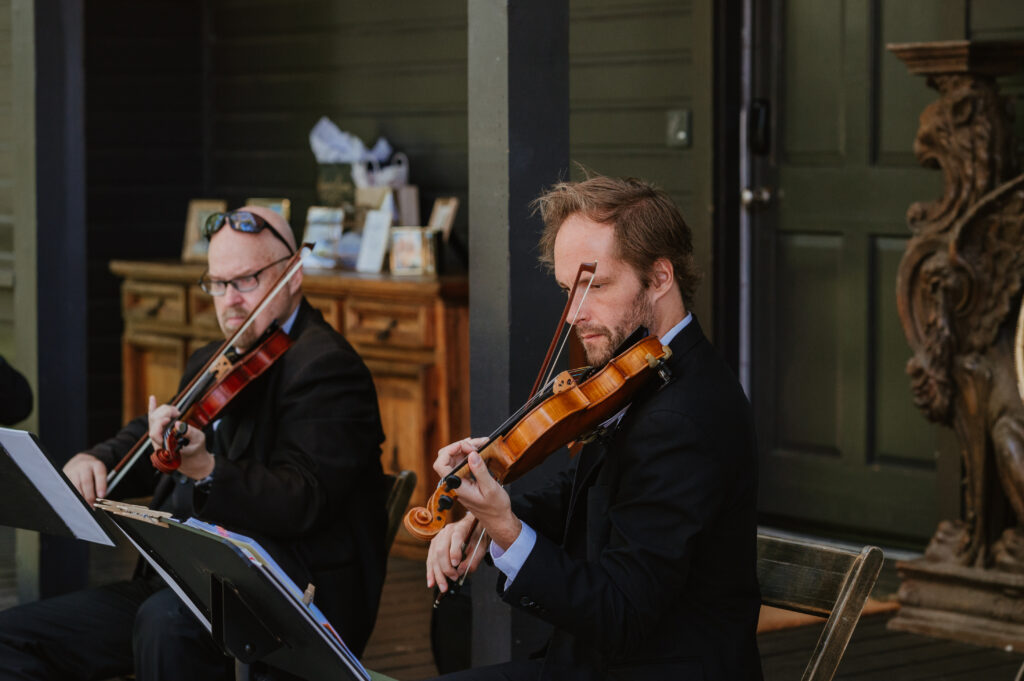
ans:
(293, 461)
(643, 554)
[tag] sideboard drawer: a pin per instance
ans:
(149, 302)
(202, 313)
(406, 325)
(330, 308)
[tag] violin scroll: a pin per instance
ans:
(167, 459)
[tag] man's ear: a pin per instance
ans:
(295, 283)
(663, 275)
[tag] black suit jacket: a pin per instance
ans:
(645, 560)
(297, 468)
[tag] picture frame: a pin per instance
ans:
(324, 227)
(442, 215)
(407, 252)
(193, 247)
(281, 206)
(374, 244)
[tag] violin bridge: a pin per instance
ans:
(222, 366)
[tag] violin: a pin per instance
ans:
(222, 378)
(573, 404)
(229, 379)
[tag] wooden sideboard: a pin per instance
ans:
(412, 332)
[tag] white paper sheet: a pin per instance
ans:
(64, 499)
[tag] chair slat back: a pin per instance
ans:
(401, 487)
(818, 580)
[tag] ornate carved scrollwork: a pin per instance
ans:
(959, 292)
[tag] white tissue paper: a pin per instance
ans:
(333, 145)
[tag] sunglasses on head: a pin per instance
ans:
(240, 221)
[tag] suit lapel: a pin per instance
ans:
(593, 457)
(248, 408)
(590, 461)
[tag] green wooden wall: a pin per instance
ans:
(395, 68)
(631, 62)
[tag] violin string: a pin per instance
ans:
(572, 325)
(542, 394)
(545, 392)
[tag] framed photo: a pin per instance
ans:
(407, 250)
(282, 207)
(323, 230)
(194, 246)
(374, 244)
(442, 216)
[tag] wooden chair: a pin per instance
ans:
(398, 495)
(818, 580)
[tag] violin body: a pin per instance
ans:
(573, 409)
(230, 379)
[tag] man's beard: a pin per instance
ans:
(641, 314)
(244, 341)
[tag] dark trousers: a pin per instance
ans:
(519, 670)
(138, 625)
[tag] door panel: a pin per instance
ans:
(899, 428)
(808, 320)
(843, 449)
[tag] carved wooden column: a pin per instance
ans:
(959, 293)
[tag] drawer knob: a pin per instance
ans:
(384, 333)
(154, 309)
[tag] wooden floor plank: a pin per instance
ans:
(877, 654)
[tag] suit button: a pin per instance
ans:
(526, 602)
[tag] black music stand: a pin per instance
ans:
(35, 495)
(251, 608)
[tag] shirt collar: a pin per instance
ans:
(287, 326)
(674, 331)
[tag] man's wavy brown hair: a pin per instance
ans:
(647, 225)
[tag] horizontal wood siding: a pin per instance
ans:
(630, 63)
(393, 68)
(144, 160)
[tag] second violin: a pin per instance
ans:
(573, 406)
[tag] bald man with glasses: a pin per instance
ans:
(293, 461)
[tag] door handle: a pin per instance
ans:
(759, 127)
(756, 196)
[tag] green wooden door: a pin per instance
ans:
(843, 449)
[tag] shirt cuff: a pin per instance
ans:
(510, 562)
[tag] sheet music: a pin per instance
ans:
(171, 582)
(259, 556)
(57, 491)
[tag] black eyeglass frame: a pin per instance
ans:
(208, 284)
(240, 221)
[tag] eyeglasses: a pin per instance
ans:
(240, 221)
(242, 284)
